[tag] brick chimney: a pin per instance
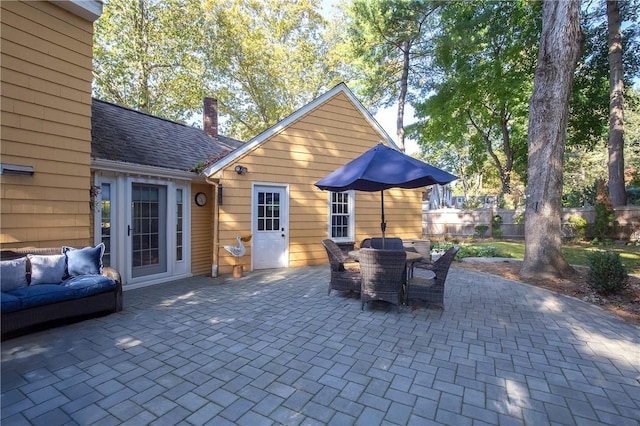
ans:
(210, 116)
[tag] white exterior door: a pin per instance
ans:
(270, 227)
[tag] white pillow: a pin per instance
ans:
(47, 269)
(13, 274)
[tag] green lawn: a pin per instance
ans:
(575, 254)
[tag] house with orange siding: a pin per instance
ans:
(166, 198)
(266, 188)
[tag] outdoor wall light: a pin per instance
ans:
(241, 170)
(220, 194)
(16, 169)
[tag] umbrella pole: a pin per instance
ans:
(383, 224)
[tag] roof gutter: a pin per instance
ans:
(90, 10)
(142, 170)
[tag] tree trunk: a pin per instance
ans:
(616, 107)
(402, 97)
(560, 46)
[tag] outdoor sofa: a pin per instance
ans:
(49, 286)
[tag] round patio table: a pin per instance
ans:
(412, 257)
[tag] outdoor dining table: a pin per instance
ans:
(412, 257)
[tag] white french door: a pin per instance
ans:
(145, 225)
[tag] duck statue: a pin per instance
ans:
(237, 251)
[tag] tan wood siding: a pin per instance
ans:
(46, 59)
(302, 153)
(201, 231)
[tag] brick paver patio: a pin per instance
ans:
(273, 348)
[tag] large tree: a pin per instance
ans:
(387, 41)
(144, 56)
(261, 59)
(590, 110)
(266, 59)
(616, 107)
(561, 43)
(485, 83)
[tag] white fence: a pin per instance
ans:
(462, 223)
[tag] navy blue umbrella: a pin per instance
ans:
(382, 168)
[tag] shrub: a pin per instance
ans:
(605, 225)
(467, 250)
(496, 222)
(607, 275)
(481, 230)
(518, 219)
(575, 228)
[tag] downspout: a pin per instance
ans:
(215, 231)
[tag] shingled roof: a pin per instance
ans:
(123, 134)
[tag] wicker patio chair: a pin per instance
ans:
(366, 243)
(342, 278)
(424, 248)
(382, 275)
(431, 290)
(390, 243)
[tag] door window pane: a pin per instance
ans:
(268, 211)
(105, 222)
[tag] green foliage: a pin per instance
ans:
(154, 67)
(589, 113)
(480, 230)
(265, 59)
(633, 196)
(518, 219)
(576, 196)
(604, 225)
(496, 222)
(575, 228)
(480, 105)
(607, 275)
(471, 250)
(260, 60)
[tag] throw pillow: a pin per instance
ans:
(13, 274)
(47, 269)
(85, 261)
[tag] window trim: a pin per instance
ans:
(351, 201)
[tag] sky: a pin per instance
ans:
(387, 119)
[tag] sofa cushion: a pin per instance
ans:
(85, 261)
(43, 294)
(48, 269)
(13, 274)
(9, 303)
(88, 285)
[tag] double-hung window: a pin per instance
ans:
(341, 216)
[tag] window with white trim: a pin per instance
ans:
(341, 216)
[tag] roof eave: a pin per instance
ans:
(140, 169)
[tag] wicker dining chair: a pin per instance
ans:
(390, 243)
(342, 278)
(382, 275)
(424, 248)
(431, 290)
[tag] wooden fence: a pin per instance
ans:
(462, 223)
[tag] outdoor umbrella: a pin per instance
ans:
(382, 168)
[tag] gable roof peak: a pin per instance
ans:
(265, 135)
